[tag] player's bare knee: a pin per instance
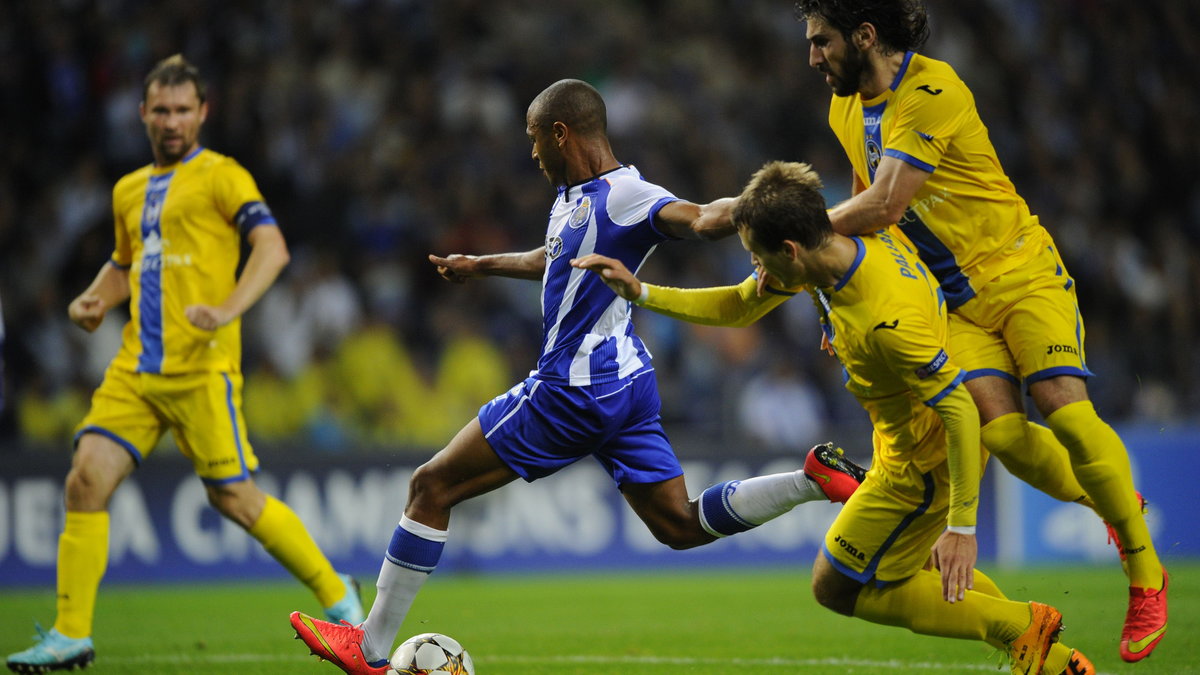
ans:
(832, 589)
(238, 506)
(834, 596)
(427, 491)
(88, 488)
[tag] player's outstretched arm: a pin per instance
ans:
(458, 268)
(739, 305)
(109, 289)
(685, 220)
(268, 256)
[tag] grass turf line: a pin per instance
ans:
(672, 622)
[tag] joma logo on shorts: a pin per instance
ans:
(850, 548)
(1059, 349)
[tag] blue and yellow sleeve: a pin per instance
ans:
(238, 198)
(926, 123)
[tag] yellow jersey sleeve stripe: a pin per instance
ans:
(958, 379)
(909, 159)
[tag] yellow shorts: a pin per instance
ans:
(1025, 325)
(887, 528)
(203, 410)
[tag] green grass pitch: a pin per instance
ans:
(672, 621)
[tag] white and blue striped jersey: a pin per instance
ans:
(587, 335)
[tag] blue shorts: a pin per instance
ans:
(538, 428)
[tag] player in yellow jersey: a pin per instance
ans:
(884, 316)
(923, 163)
(179, 224)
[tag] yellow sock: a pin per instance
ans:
(1101, 464)
(284, 536)
(985, 585)
(82, 559)
(917, 604)
(1032, 453)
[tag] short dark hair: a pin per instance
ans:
(172, 71)
(574, 103)
(902, 25)
(783, 202)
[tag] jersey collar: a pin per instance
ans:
(858, 258)
(887, 93)
(187, 158)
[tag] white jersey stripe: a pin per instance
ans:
(588, 337)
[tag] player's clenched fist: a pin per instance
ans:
(206, 317)
(87, 311)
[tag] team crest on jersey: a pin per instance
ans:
(873, 154)
(554, 246)
(152, 244)
(580, 215)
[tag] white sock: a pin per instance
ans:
(737, 506)
(411, 557)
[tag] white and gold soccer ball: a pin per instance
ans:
(431, 654)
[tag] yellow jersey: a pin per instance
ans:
(886, 321)
(967, 221)
(178, 232)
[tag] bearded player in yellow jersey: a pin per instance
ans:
(924, 164)
(884, 316)
(179, 224)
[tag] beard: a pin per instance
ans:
(855, 67)
(173, 150)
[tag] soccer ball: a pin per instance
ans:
(431, 654)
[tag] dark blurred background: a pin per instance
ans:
(381, 131)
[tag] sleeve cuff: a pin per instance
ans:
(643, 296)
(962, 529)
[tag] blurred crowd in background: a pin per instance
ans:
(384, 130)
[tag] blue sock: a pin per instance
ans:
(717, 517)
(738, 505)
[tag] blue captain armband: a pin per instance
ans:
(253, 214)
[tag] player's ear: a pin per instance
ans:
(864, 36)
(792, 249)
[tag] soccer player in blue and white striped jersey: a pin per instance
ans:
(593, 391)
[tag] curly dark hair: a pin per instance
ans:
(901, 25)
